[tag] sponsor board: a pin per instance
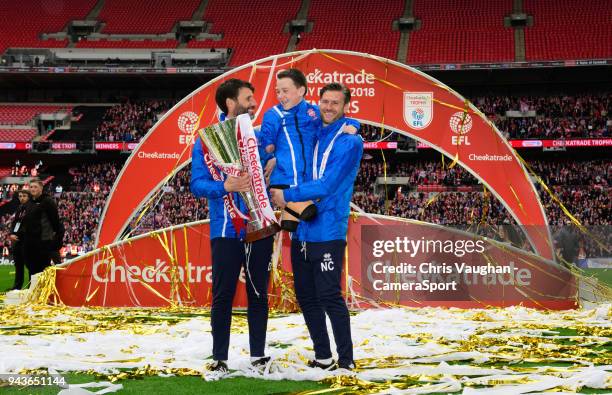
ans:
(156, 271)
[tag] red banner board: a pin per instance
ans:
(16, 146)
(175, 265)
(561, 143)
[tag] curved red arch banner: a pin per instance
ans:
(385, 93)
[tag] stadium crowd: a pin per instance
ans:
(585, 194)
(82, 201)
(130, 121)
(556, 116)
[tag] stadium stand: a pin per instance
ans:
(87, 118)
(18, 134)
(448, 31)
(252, 28)
(144, 16)
(564, 30)
(581, 115)
(130, 121)
(368, 29)
(461, 32)
(137, 44)
(42, 16)
(21, 114)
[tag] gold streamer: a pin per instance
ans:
(45, 291)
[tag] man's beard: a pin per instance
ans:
(241, 110)
(334, 119)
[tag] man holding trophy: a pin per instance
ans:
(317, 247)
(226, 169)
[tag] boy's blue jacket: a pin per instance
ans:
(334, 188)
(293, 133)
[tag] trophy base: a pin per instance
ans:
(259, 234)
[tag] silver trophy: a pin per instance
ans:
(227, 149)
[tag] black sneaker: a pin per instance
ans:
(260, 362)
(325, 366)
(218, 366)
(347, 366)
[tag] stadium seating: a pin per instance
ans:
(565, 30)
(22, 23)
(450, 32)
(5, 171)
(461, 32)
(17, 135)
(21, 114)
(144, 16)
(252, 28)
(127, 44)
(358, 25)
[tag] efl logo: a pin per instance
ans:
(460, 123)
(187, 123)
(418, 109)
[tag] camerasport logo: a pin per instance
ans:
(187, 123)
(460, 123)
(418, 109)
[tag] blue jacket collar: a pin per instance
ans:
(331, 128)
(298, 107)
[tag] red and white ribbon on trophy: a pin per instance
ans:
(251, 162)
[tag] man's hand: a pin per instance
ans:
(349, 129)
(14, 238)
(237, 184)
(269, 168)
(278, 197)
(270, 148)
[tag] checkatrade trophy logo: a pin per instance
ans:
(418, 109)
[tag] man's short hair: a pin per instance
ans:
(334, 86)
(298, 78)
(37, 181)
(229, 90)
